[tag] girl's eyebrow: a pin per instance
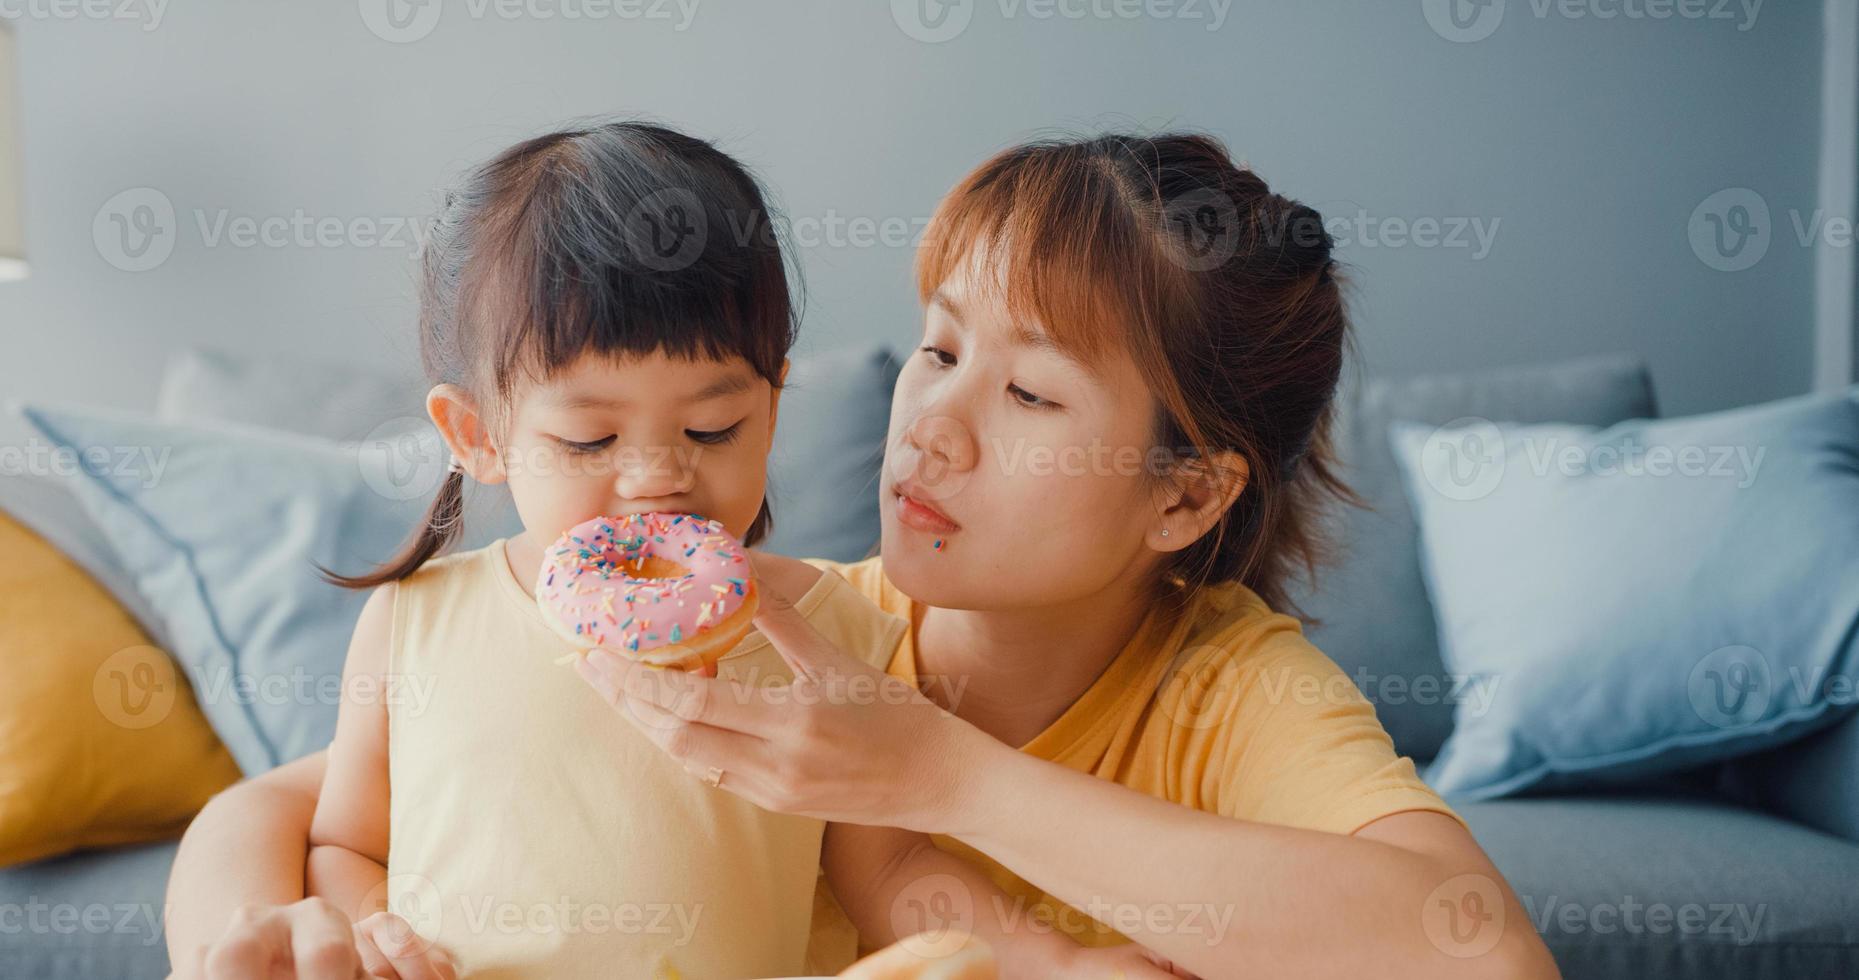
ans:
(733, 383)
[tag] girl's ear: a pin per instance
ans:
(463, 428)
(1198, 495)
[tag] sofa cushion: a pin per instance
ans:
(87, 915)
(1632, 887)
(1375, 618)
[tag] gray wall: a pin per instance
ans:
(1588, 142)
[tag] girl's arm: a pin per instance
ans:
(246, 849)
(348, 835)
(894, 884)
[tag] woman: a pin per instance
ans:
(1106, 461)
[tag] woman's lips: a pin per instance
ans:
(912, 512)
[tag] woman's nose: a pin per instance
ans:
(945, 453)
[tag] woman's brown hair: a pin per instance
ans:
(1225, 295)
(620, 239)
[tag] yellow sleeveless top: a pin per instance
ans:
(536, 833)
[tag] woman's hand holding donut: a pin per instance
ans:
(844, 741)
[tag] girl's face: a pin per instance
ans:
(608, 438)
(1030, 469)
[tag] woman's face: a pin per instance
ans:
(1029, 468)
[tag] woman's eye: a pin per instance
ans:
(716, 438)
(586, 447)
(1029, 399)
(942, 357)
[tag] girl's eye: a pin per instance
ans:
(1029, 399)
(717, 438)
(586, 447)
(942, 357)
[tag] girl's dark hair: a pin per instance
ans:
(620, 239)
(1224, 293)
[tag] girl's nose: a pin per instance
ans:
(652, 472)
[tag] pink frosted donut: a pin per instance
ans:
(670, 590)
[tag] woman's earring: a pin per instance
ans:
(1165, 532)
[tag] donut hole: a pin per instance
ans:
(652, 566)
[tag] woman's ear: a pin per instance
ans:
(1200, 492)
(463, 428)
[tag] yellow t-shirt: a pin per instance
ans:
(533, 832)
(1232, 711)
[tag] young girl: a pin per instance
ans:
(606, 317)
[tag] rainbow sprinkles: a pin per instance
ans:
(642, 582)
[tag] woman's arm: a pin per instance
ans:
(896, 884)
(1409, 895)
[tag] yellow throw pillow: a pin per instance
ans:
(101, 741)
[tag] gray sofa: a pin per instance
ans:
(1746, 870)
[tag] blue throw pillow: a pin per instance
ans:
(219, 524)
(1642, 598)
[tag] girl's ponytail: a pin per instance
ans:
(442, 524)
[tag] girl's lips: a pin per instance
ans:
(912, 512)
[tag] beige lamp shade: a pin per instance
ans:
(12, 229)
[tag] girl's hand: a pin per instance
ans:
(313, 940)
(843, 741)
